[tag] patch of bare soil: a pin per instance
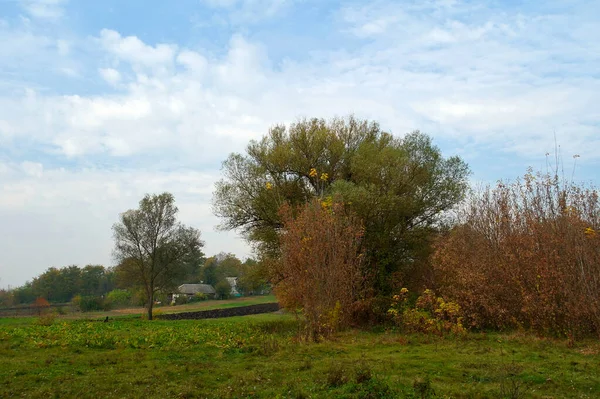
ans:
(217, 313)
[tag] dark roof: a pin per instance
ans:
(191, 289)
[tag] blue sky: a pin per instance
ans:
(103, 101)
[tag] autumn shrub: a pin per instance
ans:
(430, 314)
(319, 271)
(41, 306)
(527, 255)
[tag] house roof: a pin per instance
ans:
(191, 289)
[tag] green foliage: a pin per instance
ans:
(216, 268)
(46, 319)
(198, 297)
(91, 303)
(400, 187)
(223, 289)
(181, 300)
(119, 298)
(24, 294)
(6, 298)
(153, 247)
(191, 269)
(209, 273)
(62, 284)
(253, 278)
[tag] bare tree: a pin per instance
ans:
(151, 246)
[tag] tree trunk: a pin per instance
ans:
(150, 304)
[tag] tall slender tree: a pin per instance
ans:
(151, 246)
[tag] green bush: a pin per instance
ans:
(223, 289)
(118, 298)
(138, 298)
(91, 303)
(46, 319)
(181, 300)
(198, 297)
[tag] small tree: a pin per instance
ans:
(223, 289)
(151, 246)
(320, 267)
(41, 305)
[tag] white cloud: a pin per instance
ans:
(492, 80)
(44, 9)
(73, 212)
(194, 62)
(34, 169)
(110, 75)
(132, 49)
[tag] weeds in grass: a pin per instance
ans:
(237, 358)
(362, 373)
(46, 319)
(511, 386)
(267, 345)
(375, 388)
(422, 388)
(336, 375)
(292, 391)
(305, 365)
(363, 385)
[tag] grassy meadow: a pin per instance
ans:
(188, 307)
(260, 357)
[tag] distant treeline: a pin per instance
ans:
(62, 285)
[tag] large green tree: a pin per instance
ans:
(217, 267)
(399, 186)
(152, 247)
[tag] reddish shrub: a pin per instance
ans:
(526, 254)
(319, 270)
(41, 305)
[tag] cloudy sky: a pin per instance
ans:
(103, 101)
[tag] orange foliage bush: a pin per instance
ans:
(41, 305)
(526, 254)
(319, 270)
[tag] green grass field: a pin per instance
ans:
(259, 356)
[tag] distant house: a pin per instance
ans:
(192, 289)
(233, 283)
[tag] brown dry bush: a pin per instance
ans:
(319, 270)
(41, 306)
(526, 254)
